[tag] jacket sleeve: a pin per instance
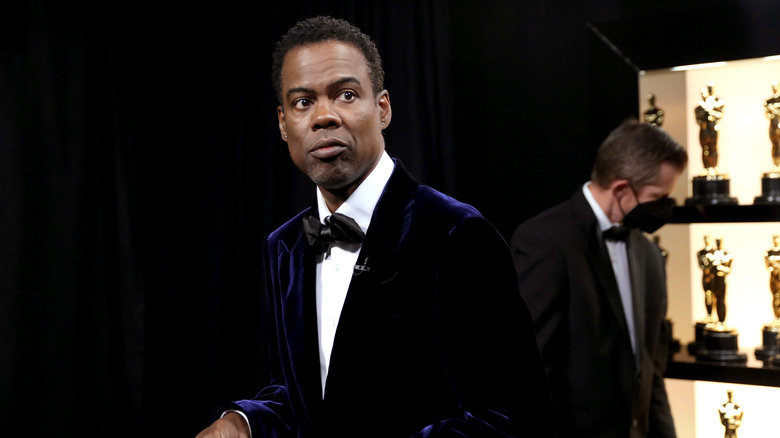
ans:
(544, 284)
(487, 340)
(269, 413)
(661, 420)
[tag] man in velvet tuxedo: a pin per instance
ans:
(394, 309)
(596, 288)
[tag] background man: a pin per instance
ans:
(599, 301)
(408, 323)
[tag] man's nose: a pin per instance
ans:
(325, 116)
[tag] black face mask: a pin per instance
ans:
(650, 216)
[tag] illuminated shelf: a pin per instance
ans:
(725, 213)
(686, 367)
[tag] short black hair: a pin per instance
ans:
(635, 151)
(321, 29)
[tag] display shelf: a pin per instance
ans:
(684, 366)
(725, 213)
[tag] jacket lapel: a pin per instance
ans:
(598, 258)
(299, 320)
(636, 260)
(367, 303)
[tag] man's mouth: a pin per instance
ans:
(326, 149)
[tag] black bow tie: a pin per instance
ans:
(617, 233)
(338, 228)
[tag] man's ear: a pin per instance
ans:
(386, 110)
(282, 123)
(620, 188)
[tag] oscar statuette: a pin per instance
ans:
(704, 259)
(770, 331)
(718, 342)
(653, 115)
(730, 416)
(770, 181)
(711, 187)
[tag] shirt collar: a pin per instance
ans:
(360, 204)
(601, 217)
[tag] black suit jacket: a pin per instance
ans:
(599, 388)
(433, 339)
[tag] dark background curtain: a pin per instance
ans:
(141, 168)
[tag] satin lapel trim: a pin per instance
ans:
(598, 257)
(636, 260)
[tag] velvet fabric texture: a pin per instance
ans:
(599, 388)
(433, 339)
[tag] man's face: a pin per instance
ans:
(329, 117)
(661, 187)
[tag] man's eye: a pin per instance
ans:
(348, 95)
(301, 103)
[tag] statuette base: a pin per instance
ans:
(720, 345)
(770, 348)
(770, 189)
(711, 190)
(698, 342)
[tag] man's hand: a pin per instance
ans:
(231, 425)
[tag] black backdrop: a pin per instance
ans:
(141, 168)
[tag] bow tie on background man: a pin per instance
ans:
(338, 229)
(617, 233)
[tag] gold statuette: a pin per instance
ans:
(770, 181)
(772, 110)
(708, 115)
(772, 257)
(719, 262)
(730, 416)
(705, 257)
(716, 341)
(653, 115)
(770, 347)
(711, 186)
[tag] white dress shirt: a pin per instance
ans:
(335, 267)
(619, 258)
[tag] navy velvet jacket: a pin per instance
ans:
(433, 340)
